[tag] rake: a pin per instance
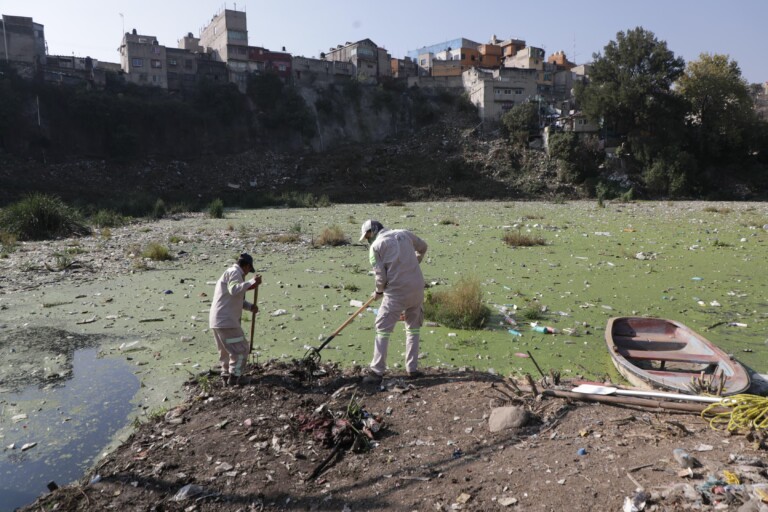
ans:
(312, 356)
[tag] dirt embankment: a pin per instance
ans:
(269, 445)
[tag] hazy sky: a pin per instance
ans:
(307, 27)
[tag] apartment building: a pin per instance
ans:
(263, 60)
(369, 60)
(22, 44)
(494, 91)
(404, 68)
(226, 39)
(143, 60)
(425, 55)
(311, 71)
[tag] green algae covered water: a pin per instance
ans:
(694, 262)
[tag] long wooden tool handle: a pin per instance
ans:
(346, 323)
(354, 315)
(253, 315)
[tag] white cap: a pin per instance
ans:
(370, 225)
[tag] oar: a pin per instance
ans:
(592, 389)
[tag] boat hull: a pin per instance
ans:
(654, 353)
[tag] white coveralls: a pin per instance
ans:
(224, 319)
(395, 255)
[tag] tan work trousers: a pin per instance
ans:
(233, 350)
(389, 313)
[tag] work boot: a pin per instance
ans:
(372, 378)
(233, 380)
(415, 374)
(225, 379)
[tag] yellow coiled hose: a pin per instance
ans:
(748, 412)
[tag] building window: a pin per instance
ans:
(172, 62)
(143, 40)
(172, 75)
(237, 35)
(157, 64)
(137, 63)
(423, 62)
(156, 50)
(282, 67)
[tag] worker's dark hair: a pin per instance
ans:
(245, 259)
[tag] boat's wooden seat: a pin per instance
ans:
(670, 356)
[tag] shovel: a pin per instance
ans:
(313, 354)
(592, 389)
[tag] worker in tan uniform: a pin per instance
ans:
(395, 255)
(224, 319)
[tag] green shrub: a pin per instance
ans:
(332, 236)
(159, 210)
(532, 312)
(157, 252)
(8, 242)
(108, 219)
(40, 216)
(460, 307)
(216, 209)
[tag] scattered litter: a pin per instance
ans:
(736, 324)
(168, 292)
(18, 418)
(356, 303)
(683, 458)
(188, 491)
(27, 446)
(278, 312)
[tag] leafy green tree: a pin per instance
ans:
(521, 121)
(630, 91)
(722, 114)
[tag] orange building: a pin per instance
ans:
(561, 61)
(490, 55)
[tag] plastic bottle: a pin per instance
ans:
(683, 458)
(543, 329)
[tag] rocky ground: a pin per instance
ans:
(281, 442)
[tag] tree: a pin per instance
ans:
(630, 91)
(721, 110)
(521, 121)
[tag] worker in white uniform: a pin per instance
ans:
(395, 255)
(226, 312)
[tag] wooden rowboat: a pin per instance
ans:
(654, 353)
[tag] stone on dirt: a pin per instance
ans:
(507, 417)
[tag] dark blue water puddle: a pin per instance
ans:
(77, 421)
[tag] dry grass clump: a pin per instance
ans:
(518, 239)
(286, 238)
(460, 307)
(157, 252)
(394, 203)
(332, 236)
(715, 209)
(449, 222)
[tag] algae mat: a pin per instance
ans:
(695, 262)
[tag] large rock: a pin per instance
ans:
(507, 417)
